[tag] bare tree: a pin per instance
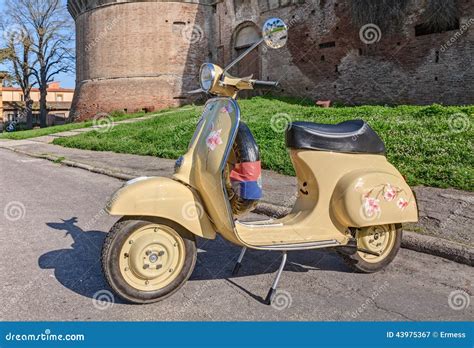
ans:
(49, 28)
(18, 53)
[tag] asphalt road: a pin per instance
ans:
(51, 232)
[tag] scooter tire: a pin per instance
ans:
(111, 250)
(358, 264)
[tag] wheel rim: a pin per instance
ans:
(378, 239)
(152, 257)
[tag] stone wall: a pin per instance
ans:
(326, 59)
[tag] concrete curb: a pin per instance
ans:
(413, 241)
(74, 164)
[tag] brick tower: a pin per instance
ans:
(135, 55)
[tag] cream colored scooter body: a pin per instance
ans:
(335, 191)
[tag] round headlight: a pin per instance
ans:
(206, 76)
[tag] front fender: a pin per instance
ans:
(165, 198)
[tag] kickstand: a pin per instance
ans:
(272, 292)
(239, 261)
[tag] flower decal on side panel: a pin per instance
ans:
(214, 139)
(390, 192)
(402, 203)
(371, 200)
(371, 207)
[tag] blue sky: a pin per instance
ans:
(67, 80)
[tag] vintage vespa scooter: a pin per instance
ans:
(349, 196)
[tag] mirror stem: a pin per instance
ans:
(239, 58)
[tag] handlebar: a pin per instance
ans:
(264, 84)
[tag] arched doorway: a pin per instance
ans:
(245, 35)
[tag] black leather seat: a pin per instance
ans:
(354, 136)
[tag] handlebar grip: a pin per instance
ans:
(265, 84)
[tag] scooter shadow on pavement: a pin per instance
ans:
(217, 258)
(77, 268)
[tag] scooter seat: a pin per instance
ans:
(353, 136)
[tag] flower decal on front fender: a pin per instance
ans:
(214, 139)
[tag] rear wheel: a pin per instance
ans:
(146, 261)
(384, 240)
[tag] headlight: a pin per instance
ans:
(207, 76)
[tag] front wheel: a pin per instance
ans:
(145, 261)
(383, 241)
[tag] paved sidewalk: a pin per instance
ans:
(445, 214)
(47, 139)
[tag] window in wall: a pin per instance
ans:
(327, 44)
(59, 97)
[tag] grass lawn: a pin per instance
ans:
(430, 145)
(32, 133)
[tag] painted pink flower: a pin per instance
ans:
(402, 203)
(214, 139)
(389, 193)
(371, 206)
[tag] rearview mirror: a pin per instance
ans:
(275, 33)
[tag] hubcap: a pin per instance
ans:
(378, 239)
(152, 257)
